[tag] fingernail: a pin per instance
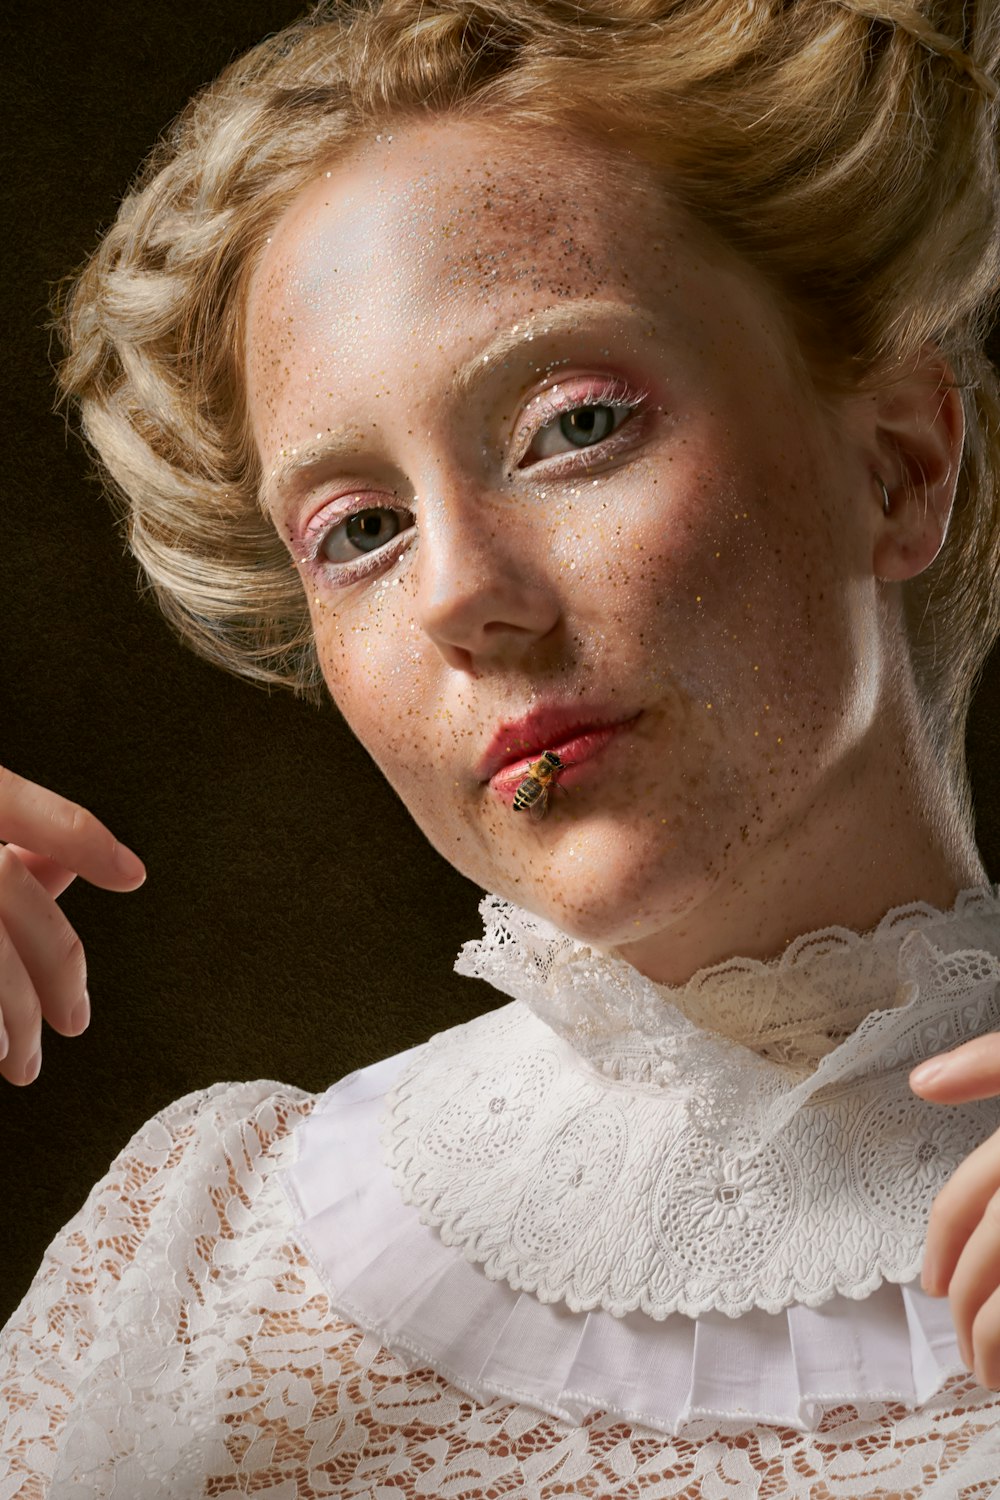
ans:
(128, 863)
(928, 1072)
(33, 1067)
(80, 1018)
(4, 1044)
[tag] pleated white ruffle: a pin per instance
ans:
(393, 1276)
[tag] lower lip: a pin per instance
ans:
(578, 754)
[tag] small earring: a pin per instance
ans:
(886, 502)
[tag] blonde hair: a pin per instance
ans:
(847, 148)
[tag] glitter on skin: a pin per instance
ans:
(710, 829)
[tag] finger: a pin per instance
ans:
(971, 1071)
(986, 1343)
(22, 1016)
(52, 877)
(49, 949)
(976, 1278)
(956, 1212)
(34, 818)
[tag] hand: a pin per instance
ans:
(43, 971)
(962, 1254)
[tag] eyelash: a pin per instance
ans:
(614, 393)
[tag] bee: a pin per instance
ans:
(533, 792)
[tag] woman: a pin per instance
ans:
(593, 398)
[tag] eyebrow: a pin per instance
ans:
(566, 317)
(290, 475)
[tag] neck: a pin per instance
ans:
(870, 841)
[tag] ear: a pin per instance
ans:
(919, 438)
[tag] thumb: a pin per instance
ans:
(971, 1071)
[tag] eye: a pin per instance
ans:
(581, 423)
(365, 531)
(581, 428)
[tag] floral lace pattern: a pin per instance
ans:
(922, 981)
(386, 1271)
(589, 1144)
(613, 1200)
(176, 1343)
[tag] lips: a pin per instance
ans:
(519, 742)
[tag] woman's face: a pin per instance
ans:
(539, 447)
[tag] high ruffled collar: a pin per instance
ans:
(592, 1145)
(875, 998)
(585, 1182)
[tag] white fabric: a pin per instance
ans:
(863, 987)
(178, 1341)
(392, 1274)
(547, 1161)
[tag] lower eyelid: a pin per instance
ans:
(343, 573)
(620, 438)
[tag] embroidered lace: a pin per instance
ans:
(643, 1034)
(394, 1276)
(176, 1344)
(634, 1160)
(177, 1341)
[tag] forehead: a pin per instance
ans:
(426, 217)
(393, 270)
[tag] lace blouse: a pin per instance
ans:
(583, 1246)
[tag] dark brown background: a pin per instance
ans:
(295, 924)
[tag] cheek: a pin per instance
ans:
(361, 651)
(725, 573)
(673, 555)
(374, 666)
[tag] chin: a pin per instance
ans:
(599, 925)
(615, 909)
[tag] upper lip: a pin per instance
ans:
(522, 739)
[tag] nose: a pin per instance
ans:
(484, 590)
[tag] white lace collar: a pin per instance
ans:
(628, 1028)
(593, 1146)
(388, 1273)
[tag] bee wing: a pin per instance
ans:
(538, 808)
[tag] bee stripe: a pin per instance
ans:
(527, 793)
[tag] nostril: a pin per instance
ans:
(457, 657)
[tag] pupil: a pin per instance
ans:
(372, 528)
(588, 424)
